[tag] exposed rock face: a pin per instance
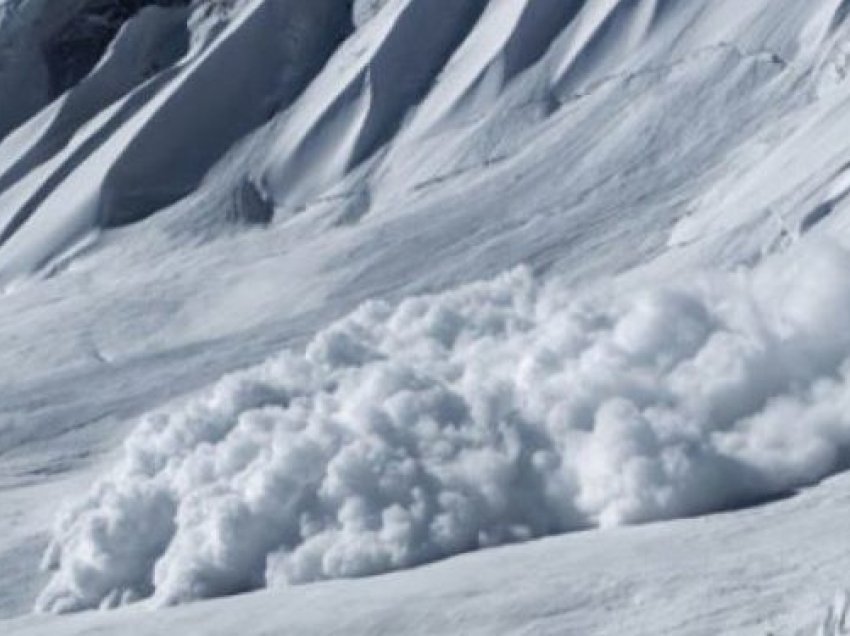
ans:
(47, 47)
(77, 45)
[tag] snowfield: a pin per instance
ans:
(339, 298)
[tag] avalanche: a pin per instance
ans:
(498, 412)
(536, 272)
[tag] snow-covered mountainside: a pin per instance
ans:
(603, 251)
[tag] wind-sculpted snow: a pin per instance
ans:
(495, 413)
(367, 105)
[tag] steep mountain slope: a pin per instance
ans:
(224, 179)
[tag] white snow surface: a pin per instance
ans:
(602, 246)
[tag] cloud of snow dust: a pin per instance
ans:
(494, 413)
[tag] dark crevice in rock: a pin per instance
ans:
(74, 49)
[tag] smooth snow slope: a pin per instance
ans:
(233, 176)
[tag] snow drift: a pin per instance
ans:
(497, 412)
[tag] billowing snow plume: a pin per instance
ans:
(495, 413)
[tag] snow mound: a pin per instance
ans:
(497, 412)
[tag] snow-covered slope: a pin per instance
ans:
(228, 178)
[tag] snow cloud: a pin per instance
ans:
(494, 413)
